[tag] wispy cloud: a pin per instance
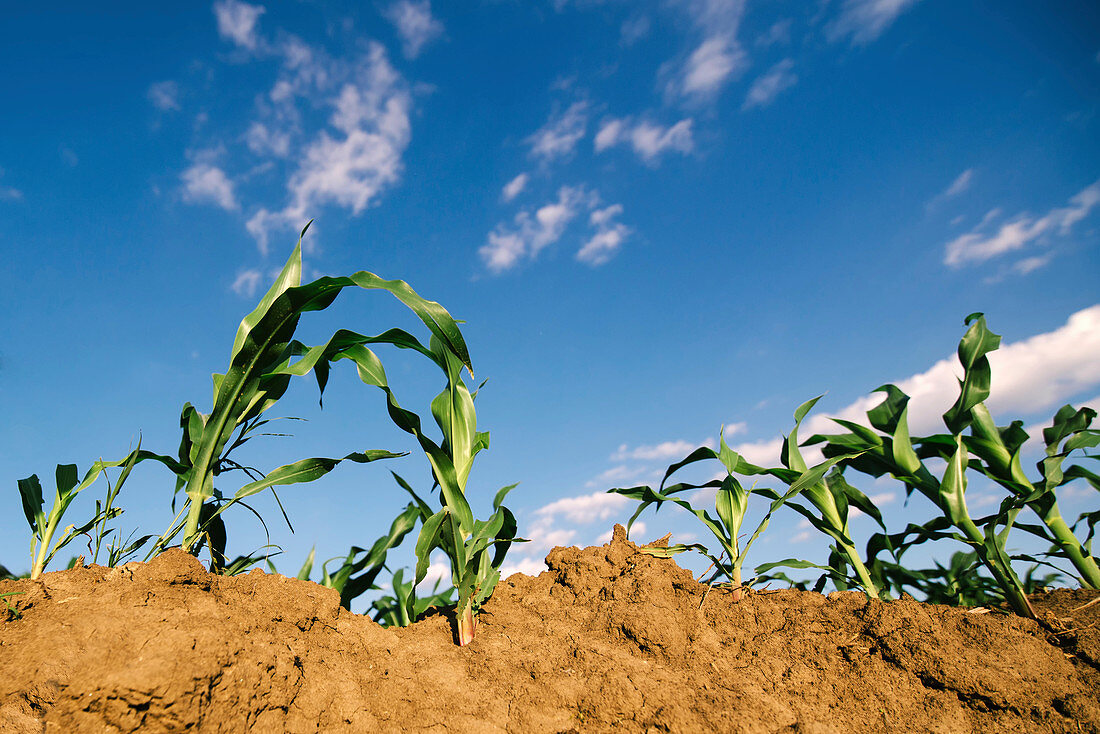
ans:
(508, 245)
(717, 58)
(361, 156)
(769, 85)
(515, 187)
(561, 133)
(778, 33)
(648, 140)
(415, 24)
(664, 451)
(609, 236)
(205, 183)
(959, 186)
(9, 193)
(863, 21)
(237, 22)
(164, 95)
(263, 140)
(246, 283)
(634, 30)
(977, 246)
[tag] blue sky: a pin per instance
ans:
(655, 218)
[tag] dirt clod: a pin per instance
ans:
(609, 639)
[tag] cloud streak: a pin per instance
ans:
(978, 246)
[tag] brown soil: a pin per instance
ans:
(609, 639)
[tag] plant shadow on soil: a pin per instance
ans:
(609, 639)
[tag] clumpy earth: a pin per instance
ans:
(609, 639)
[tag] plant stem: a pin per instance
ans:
(467, 624)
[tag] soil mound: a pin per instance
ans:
(609, 639)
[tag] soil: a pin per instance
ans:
(609, 639)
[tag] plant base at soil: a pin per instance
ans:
(609, 639)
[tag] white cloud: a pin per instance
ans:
(1031, 264)
(415, 24)
(515, 187)
(1028, 376)
(634, 30)
(648, 139)
(526, 566)
(237, 22)
(262, 140)
(710, 65)
(778, 33)
(352, 167)
(9, 193)
(609, 236)
(206, 183)
(761, 453)
(508, 245)
(865, 20)
(958, 186)
(976, 246)
(718, 57)
(586, 508)
(164, 95)
(663, 451)
(437, 571)
(768, 86)
(246, 283)
(561, 133)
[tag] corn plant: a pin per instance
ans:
(730, 506)
(887, 448)
(404, 607)
(360, 569)
(475, 548)
(12, 612)
(45, 526)
(263, 360)
(830, 499)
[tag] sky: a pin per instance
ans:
(655, 219)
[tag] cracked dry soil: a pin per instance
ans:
(609, 639)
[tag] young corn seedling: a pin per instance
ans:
(730, 506)
(475, 548)
(830, 498)
(361, 568)
(44, 527)
(262, 363)
(404, 607)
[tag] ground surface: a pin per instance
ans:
(609, 639)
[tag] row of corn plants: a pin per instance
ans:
(973, 443)
(264, 359)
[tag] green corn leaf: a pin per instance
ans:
(307, 567)
(887, 415)
(430, 532)
(700, 454)
(953, 487)
(498, 500)
(1067, 421)
(791, 456)
(902, 448)
(974, 387)
(30, 491)
(308, 470)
